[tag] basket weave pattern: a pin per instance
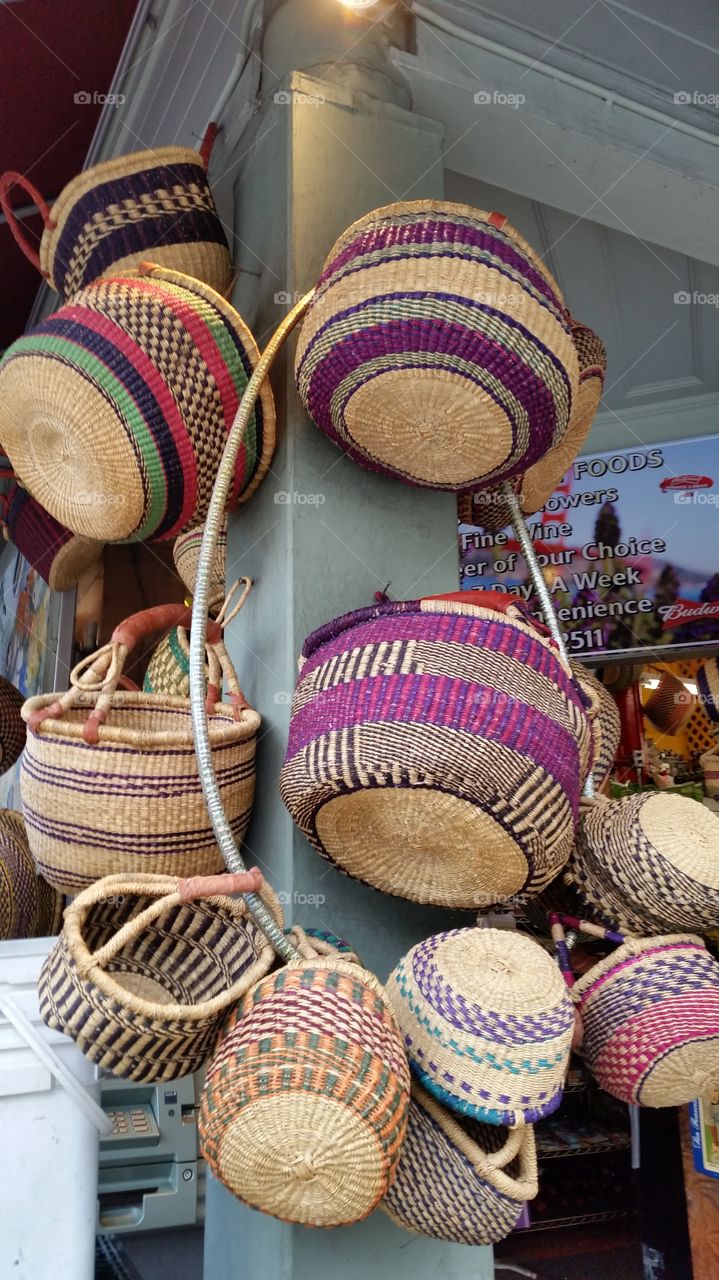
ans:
(436, 339)
(707, 678)
(448, 1185)
(306, 1100)
(12, 728)
(29, 907)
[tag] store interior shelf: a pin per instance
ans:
(557, 1139)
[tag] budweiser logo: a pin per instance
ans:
(673, 615)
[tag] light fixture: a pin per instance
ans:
(358, 4)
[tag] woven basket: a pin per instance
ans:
(29, 907)
(125, 795)
(489, 508)
(115, 410)
(487, 1023)
(707, 679)
(59, 556)
(606, 724)
(168, 671)
(650, 1013)
(12, 729)
(306, 1100)
(146, 967)
(436, 349)
(670, 705)
(436, 749)
(186, 554)
(649, 862)
(155, 203)
(460, 1180)
(709, 762)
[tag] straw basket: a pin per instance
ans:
(118, 789)
(707, 679)
(186, 554)
(29, 907)
(59, 556)
(146, 967)
(306, 1100)
(115, 410)
(489, 508)
(459, 1180)
(155, 203)
(168, 671)
(436, 349)
(648, 862)
(670, 705)
(436, 749)
(487, 1023)
(12, 729)
(650, 1013)
(606, 723)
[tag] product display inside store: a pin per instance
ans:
(359, 645)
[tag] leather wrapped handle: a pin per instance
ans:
(193, 887)
(7, 182)
(161, 618)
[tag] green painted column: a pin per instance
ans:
(320, 537)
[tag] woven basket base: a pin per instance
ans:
(204, 260)
(75, 558)
(687, 1072)
(304, 1159)
(87, 478)
(433, 427)
(427, 846)
(146, 988)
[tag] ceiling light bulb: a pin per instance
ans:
(358, 4)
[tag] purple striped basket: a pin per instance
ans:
(487, 1023)
(436, 749)
(437, 349)
(708, 687)
(59, 556)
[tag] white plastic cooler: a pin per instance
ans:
(49, 1133)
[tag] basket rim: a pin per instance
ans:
(228, 733)
(632, 948)
(524, 1186)
(72, 943)
(436, 205)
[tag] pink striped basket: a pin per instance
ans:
(437, 748)
(650, 1014)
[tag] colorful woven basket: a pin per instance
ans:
(168, 671)
(650, 1014)
(12, 728)
(436, 348)
(707, 679)
(186, 554)
(118, 789)
(146, 966)
(606, 723)
(306, 1099)
(487, 1022)
(670, 705)
(489, 508)
(59, 556)
(115, 410)
(648, 862)
(436, 749)
(458, 1179)
(149, 203)
(29, 907)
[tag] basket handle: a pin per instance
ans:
(557, 923)
(7, 182)
(187, 890)
(208, 142)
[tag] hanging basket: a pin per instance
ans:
(110, 780)
(487, 1023)
(459, 1180)
(115, 410)
(606, 723)
(59, 556)
(707, 679)
(650, 1014)
(305, 1103)
(709, 762)
(146, 967)
(29, 907)
(12, 728)
(670, 705)
(186, 554)
(168, 671)
(155, 203)
(648, 862)
(436, 749)
(436, 349)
